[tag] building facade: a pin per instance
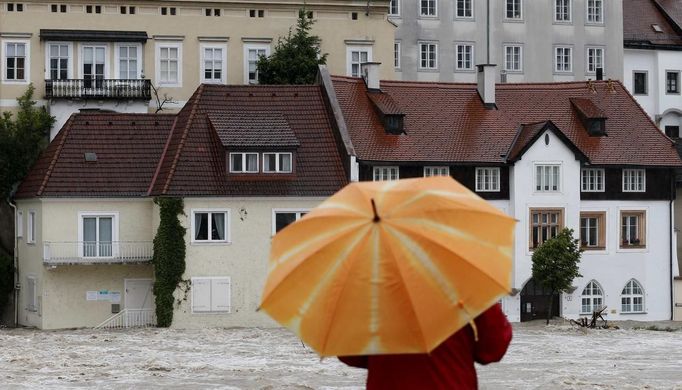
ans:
(529, 40)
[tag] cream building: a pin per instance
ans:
(99, 55)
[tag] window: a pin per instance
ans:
(428, 7)
(210, 225)
(96, 8)
(211, 295)
(563, 59)
(19, 227)
(355, 57)
(396, 55)
(251, 55)
(592, 180)
(592, 298)
(513, 58)
(595, 59)
(169, 64)
(640, 82)
(386, 173)
(394, 8)
(256, 13)
(562, 10)
(213, 64)
(16, 64)
(31, 293)
(513, 9)
(487, 179)
(436, 171)
(284, 218)
(632, 298)
(354, 16)
(244, 162)
(595, 11)
(592, 230)
(465, 57)
(428, 55)
(58, 8)
(15, 7)
(672, 131)
(634, 180)
(632, 229)
(672, 82)
(97, 235)
(212, 11)
(31, 228)
(169, 11)
(127, 10)
(547, 178)
(277, 162)
(58, 61)
(128, 68)
(464, 9)
(544, 224)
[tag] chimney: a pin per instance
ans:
(486, 84)
(370, 73)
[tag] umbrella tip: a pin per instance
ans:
(374, 209)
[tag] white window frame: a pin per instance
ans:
(592, 297)
(565, 68)
(170, 45)
(520, 9)
(69, 65)
(212, 279)
(19, 224)
(117, 59)
(81, 57)
(507, 49)
(545, 166)
(223, 63)
(631, 296)
(470, 7)
(31, 227)
(557, 7)
(428, 44)
(599, 15)
(32, 306)
(209, 240)
(397, 7)
(436, 170)
(244, 162)
(599, 180)
(27, 61)
(114, 231)
(591, 66)
(488, 185)
(277, 167)
(349, 58)
(397, 54)
(253, 46)
(433, 14)
(385, 173)
(297, 211)
(472, 56)
(634, 173)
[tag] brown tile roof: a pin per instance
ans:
(446, 122)
(640, 15)
(527, 134)
(253, 129)
(384, 103)
(588, 108)
(672, 9)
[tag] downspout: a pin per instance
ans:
(671, 210)
(16, 265)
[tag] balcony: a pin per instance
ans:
(99, 89)
(88, 252)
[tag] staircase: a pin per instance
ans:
(130, 318)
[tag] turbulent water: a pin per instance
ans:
(540, 357)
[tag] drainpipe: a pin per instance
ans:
(672, 298)
(487, 35)
(16, 265)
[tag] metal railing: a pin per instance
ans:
(96, 252)
(130, 318)
(96, 88)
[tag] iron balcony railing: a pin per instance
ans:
(96, 252)
(89, 88)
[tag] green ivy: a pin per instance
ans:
(169, 257)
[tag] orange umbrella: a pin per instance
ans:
(389, 267)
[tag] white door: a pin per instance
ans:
(139, 294)
(93, 66)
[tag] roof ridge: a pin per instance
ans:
(55, 156)
(163, 157)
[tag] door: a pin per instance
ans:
(93, 68)
(535, 302)
(138, 294)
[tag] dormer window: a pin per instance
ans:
(244, 162)
(277, 162)
(591, 116)
(393, 124)
(390, 114)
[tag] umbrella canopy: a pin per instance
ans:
(389, 267)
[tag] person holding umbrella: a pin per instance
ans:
(397, 276)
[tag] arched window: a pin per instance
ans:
(632, 298)
(592, 298)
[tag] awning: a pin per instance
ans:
(93, 35)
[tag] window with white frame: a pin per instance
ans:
(634, 180)
(16, 61)
(513, 58)
(592, 180)
(244, 162)
(592, 298)
(394, 8)
(253, 52)
(563, 59)
(396, 54)
(633, 229)
(436, 171)
(513, 9)
(31, 293)
(464, 9)
(213, 64)
(595, 59)
(277, 162)
(428, 7)
(128, 62)
(547, 178)
(428, 52)
(94, 65)
(210, 225)
(465, 56)
(488, 179)
(59, 60)
(355, 57)
(595, 11)
(283, 218)
(211, 295)
(386, 173)
(31, 227)
(19, 227)
(169, 64)
(97, 235)
(632, 298)
(562, 11)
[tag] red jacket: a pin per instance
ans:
(449, 366)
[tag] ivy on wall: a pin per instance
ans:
(169, 257)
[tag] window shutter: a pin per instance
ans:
(220, 295)
(201, 295)
(31, 294)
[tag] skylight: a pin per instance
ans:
(657, 28)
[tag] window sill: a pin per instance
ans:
(593, 248)
(510, 20)
(595, 24)
(631, 313)
(210, 313)
(211, 243)
(510, 71)
(464, 19)
(465, 70)
(632, 247)
(562, 23)
(16, 82)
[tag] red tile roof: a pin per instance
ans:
(446, 122)
(253, 129)
(640, 15)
